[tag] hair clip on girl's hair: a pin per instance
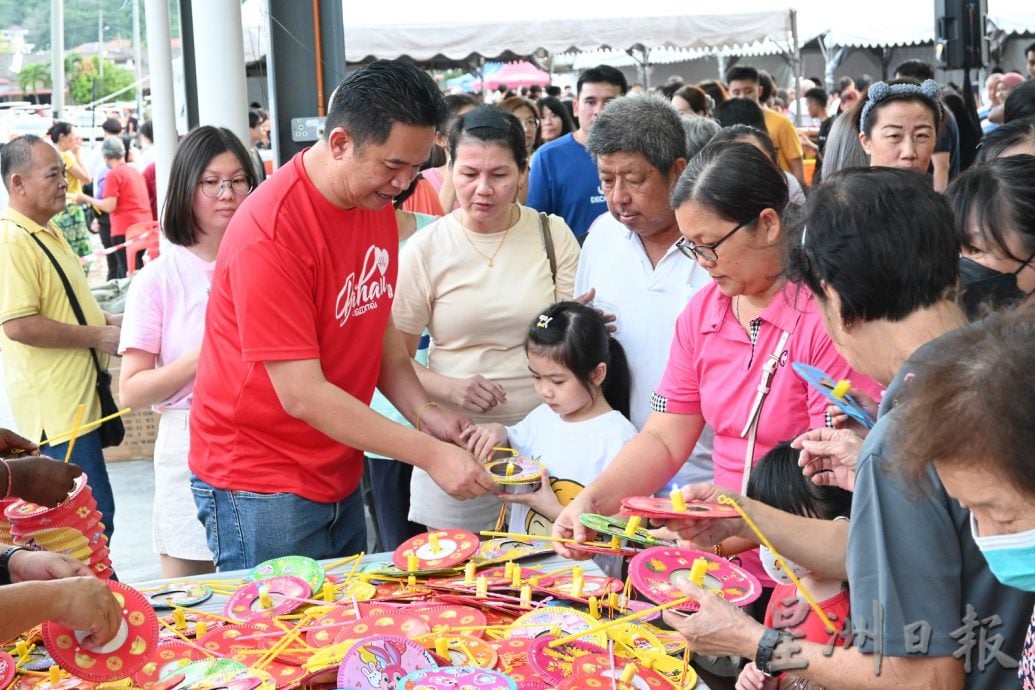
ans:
(544, 321)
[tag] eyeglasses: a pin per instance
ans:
(530, 122)
(212, 187)
(706, 252)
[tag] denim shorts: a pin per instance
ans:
(244, 528)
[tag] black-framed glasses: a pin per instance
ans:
(212, 187)
(706, 252)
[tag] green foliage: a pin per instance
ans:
(80, 20)
(85, 83)
(32, 77)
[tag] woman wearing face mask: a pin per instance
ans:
(911, 561)
(994, 204)
(964, 394)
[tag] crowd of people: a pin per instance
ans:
(619, 290)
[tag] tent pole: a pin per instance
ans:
(797, 67)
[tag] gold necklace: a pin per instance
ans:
(490, 258)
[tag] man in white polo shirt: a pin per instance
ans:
(630, 258)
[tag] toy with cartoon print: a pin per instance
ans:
(626, 529)
(435, 550)
(655, 572)
(515, 474)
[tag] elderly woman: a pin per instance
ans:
(994, 206)
(125, 197)
(474, 279)
(914, 570)
(957, 382)
(728, 342)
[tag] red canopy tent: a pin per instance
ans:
(515, 74)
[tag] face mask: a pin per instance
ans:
(986, 288)
(774, 571)
(1011, 557)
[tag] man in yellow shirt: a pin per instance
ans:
(48, 367)
(743, 83)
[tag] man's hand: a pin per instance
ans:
(113, 319)
(706, 533)
(86, 603)
(13, 445)
(108, 340)
(477, 394)
(459, 474)
(843, 421)
(42, 480)
(718, 628)
(445, 425)
(44, 565)
(587, 298)
(828, 456)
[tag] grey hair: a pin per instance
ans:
(113, 149)
(17, 155)
(699, 131)
(647, 125)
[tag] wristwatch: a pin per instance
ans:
(5, 558)
(764, 655)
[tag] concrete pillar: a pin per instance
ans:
(163, 109)
(218, 50)
(57, 58)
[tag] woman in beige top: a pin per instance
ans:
(474, 279)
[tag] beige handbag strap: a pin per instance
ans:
(751, 428)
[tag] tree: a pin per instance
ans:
(85, 83)
(31, 76)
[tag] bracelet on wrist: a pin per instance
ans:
(10, 479)
(420, 412)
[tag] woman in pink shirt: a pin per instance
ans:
(729, 202)
(163, 324)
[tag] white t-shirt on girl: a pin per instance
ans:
(574, 453)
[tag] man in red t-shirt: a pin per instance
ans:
(124, 198)
(298, 334)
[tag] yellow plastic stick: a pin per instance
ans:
(618, 621)
(80, 412)
(78, 431)
(726, 500)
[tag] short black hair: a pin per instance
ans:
(147, 128)
(741, 73)
(509, 134)
(740, 111)
(766, 86)
(374, 98)
(193, 155)
(1020, 103)
(603, 74)
(1030, 48)
(554, 91)
(882, 238)
(915, 69)
(575, 336)
(1006, 136)
(777, 481)
(740, 132)
(255, 118)
(112, 126)
(817, 94)
(58, 130)
(843, 83)
(17, 155)
(734, 180)
(998, 196)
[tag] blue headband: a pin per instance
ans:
(880, 91)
